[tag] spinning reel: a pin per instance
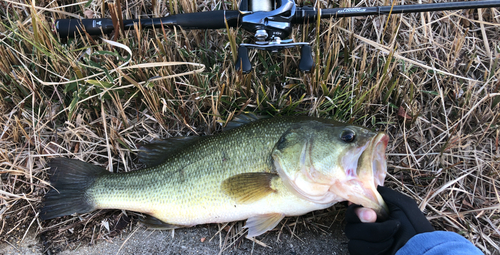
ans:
(271, 23)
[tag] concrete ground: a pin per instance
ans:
(199, 240)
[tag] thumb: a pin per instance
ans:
(366, 215)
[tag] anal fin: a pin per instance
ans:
(154, 223)
(249, 187)
(258, 225)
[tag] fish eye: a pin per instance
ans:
(348, 136)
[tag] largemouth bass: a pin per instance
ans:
(261, 171)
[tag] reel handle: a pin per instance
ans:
(306, 60)
(242, 62)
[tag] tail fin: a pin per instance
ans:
(70, 179)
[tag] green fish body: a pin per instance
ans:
(261, 171)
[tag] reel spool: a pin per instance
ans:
(261, 6)
(251, 6)
(271, 23)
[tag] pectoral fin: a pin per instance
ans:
(260, 224)
(248, 187)
(154, 223)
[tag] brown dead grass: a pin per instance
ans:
(430, 80)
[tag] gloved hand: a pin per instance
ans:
(387, 237)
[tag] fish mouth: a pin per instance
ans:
(360, 186)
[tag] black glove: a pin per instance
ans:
(405, 221)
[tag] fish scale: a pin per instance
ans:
(175, 201)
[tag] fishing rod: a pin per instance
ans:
(270, 21)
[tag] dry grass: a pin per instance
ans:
(430, 80)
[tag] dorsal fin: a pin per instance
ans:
(156, 152)
(243, 119)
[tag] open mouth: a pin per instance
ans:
(368, 161)
(364, 171)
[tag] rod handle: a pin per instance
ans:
(71, 27)
(206, 20)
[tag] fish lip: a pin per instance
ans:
(377, 149)
(379, 161)
(380, 169)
